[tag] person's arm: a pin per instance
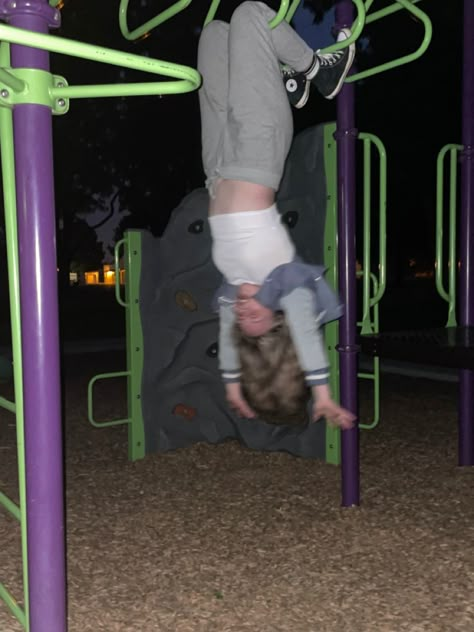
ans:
(303, 323)
(229, 362)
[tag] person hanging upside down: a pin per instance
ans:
(251, 74)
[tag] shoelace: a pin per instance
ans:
(289, 72)
(330, 59)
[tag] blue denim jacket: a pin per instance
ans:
(303, 294)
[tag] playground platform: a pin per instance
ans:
(224, 539)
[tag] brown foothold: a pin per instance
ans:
(187, 412)
(185, 301)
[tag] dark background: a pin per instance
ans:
(146, 150)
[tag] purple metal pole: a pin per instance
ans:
(346, 140)
(466, 378)
(40, 337)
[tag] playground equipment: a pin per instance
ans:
(29, 95)
(175, 393)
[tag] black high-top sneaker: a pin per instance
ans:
(297, 84)
(333, 68)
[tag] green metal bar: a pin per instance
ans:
(212, 11)
(189, 79)
(331, 330)
(406, 4)
(118, 296)
(289, 13)
(11, 232)
(134, 337)
(292, 10)
(382, 264)
(134, 344)
(90, 395)
(450, 296)
(381, 13)
(366, 376)
(366, 265)
(279, 17)
(281, 13)
(375, 376)
(372, 326)
(145, 29)
(10, 506)
(12, 604)
(453, 268)
(356, 30)
(12, 82)
(368, 4)
(7, 404)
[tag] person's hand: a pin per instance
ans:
(236, 400)
(325, 406)
(334, 414)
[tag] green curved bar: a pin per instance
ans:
(118, 297)
(189, 79)
(279, 17)
(356, 30)
(450, 296)
(408, 5)
(381, 13)
(140, 31)
(292, 10)
(382, 267)
(90, 407)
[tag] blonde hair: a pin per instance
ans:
(272, 380)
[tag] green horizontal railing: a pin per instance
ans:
(188, 78)
(450, 295)
(428, 33)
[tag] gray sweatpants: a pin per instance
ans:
(246, 119)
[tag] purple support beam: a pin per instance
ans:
(39, 312)
(346, 140)
(466, 312)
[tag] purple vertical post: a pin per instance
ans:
(40, 337)
(466, 312)
(346, 140)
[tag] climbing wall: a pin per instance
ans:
(182, 395)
